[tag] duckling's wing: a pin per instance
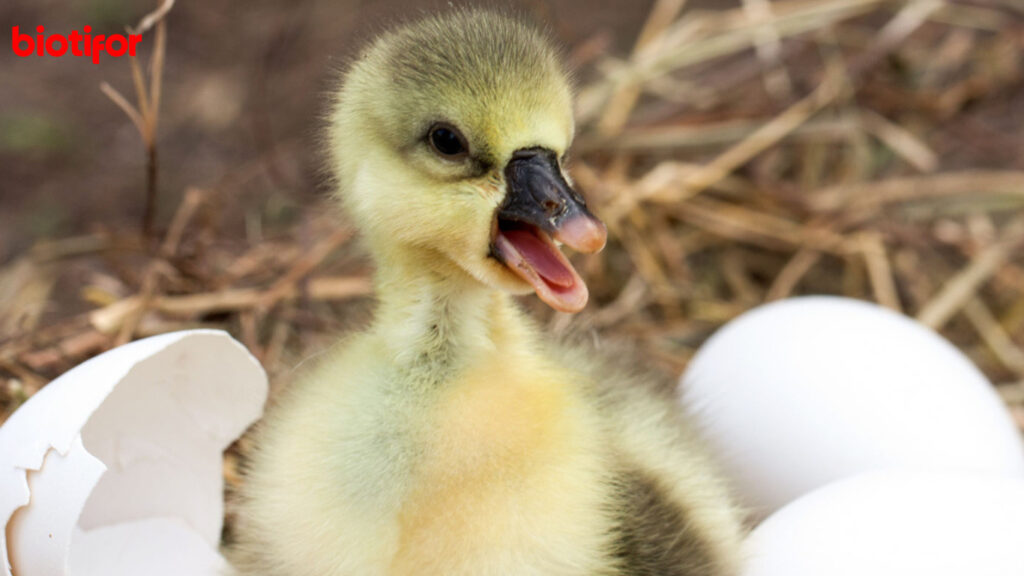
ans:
(675, 514)
(656, 537)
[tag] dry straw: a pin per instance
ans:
(739, 156)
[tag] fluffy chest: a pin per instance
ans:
(511, 469)
(500, 421)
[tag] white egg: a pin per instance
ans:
(115, 468)
(896, 523)
(796, 394)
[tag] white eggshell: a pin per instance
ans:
(129, 443)
(142, 548)
(896, 523)
(796, 394)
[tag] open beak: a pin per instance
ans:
(541, 208)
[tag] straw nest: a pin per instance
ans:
(854, 147)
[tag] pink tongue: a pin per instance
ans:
(538, 254)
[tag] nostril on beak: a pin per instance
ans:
(554, 208)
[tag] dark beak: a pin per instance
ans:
(539, 196)
(539, 208)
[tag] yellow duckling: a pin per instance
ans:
(452, 437)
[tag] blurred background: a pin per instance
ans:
(740, 152)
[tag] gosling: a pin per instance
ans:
(453, 437)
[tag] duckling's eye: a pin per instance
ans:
(448, 141)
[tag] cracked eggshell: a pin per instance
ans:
(115, 468)
(797, 394)
(896, 523)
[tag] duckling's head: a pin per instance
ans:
(448, 140)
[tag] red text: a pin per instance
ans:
(80, 44)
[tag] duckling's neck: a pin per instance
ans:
(435, 317)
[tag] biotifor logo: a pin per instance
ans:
(80, 44)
